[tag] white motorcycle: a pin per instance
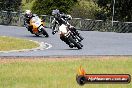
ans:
(69, 36)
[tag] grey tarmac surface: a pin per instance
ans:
(95, 43)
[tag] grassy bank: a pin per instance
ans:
(9, 43)
(60, 72)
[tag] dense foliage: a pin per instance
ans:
(46, 6)
(27, 4)
(123, 9)
(93, 9)
(12, 5)
(85, 9)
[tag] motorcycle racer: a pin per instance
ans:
(61, 18)
(27, 17)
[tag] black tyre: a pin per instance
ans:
(45, 33)
(37, 35)
(31, 31)
(80, 44)
(74, 42)
(80, 37)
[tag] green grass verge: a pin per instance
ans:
(9, 43)
(60, 73)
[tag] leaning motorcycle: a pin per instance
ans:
(73, 30)
(38, 26)
(69, 36)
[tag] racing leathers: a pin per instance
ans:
(58, 21)
(27, 22)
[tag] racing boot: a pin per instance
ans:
(30, 29)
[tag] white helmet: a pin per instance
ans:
(28, 13)
(69, 17)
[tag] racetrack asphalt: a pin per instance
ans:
(95, 43)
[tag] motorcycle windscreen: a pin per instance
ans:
(63, 28)
(36, 22)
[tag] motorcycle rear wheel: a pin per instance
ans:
(74, 42)
(37, 35)
(80, 37)
(44, 33)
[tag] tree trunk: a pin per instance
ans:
(129, 16)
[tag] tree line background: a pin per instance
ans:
(90, 9)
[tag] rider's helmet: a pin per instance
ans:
(69, 17)
(28, 14)
(56, 13)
